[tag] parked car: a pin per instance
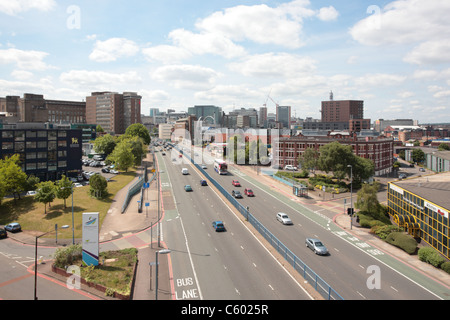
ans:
(31, 193)
(105, 170)
(235, 183)
(187, 188)
(290, 167)
(218, 226)
(402, 176)
(13, 227)
(77, 185)
(203, 183)
(249, 192)
(317, 246)
(236, 194)
(3, 233)
(283, 218)
(204, 166)
(422, 170)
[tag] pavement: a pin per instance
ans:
(140, 230)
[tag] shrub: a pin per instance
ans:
(67, 256)
(431, 256)
(382, 231)
(402, 241)
(446, 267)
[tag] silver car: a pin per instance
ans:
(317, 246)
(283, 218)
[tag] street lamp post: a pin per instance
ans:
(35, 256)
(351, 194)
(164, 251)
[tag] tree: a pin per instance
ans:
(32, 183)
(99, 128)
(138, 130)
(444, 147)
(45, 193)
(137, 148)
(309, 159)
(335, 157)
(122, 156)
(98, 186)
(362, 168)
(63, 189)
(104, 144)
(418, 155)
(13, 177)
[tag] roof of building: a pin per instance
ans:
(434, 188)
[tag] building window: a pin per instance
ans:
(7, 145)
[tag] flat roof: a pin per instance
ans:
(434, 188)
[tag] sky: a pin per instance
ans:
(394, 55)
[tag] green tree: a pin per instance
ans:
(99, 128)
(12, 175)
(104, 144)
(98, 186)
(122, 156)
(418, 155)
(444, 147)
(137, 148)
(32, 182)
(335, 157)
(309, 160)
(138, 130)
(63, 189)
(45, 193)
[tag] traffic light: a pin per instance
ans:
(350, 211)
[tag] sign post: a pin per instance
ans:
(90, 246)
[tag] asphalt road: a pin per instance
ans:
(351, 263)
(216, 265)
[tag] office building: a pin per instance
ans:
(208, 114)
(113, 111)
(44, 152)
(421, 207)
(283, 117)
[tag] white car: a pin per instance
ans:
(283, 218)
(77, 185)
(31, 193)
(290, 167)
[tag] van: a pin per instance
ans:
(184, 171)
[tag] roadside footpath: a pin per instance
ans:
(335, 207)
(119, 231)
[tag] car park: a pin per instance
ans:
(187, 188)
(235, 183)
(218, 225)
(283, 218)
(236, 194)
(13, 227)
(3, 233)
(203, 183)
(249, 192)
(317, 246)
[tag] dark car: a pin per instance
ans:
(218, 226)
(249, 192)
(13, 227)
(203, 183)
(3, 233)
(236, 194)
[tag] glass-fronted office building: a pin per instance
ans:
(421, 206)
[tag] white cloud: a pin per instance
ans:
(166, 54)
(328, 13)
(22, 75)
(207, 42)
(430, 52)
(13, 7)
(30, 60)
(403, 22)
(186, 76)
(274, 65)
(99, 80)
(112, 49)
(379, 79)
(281, 25)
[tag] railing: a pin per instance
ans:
(307, 273)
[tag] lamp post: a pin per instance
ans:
(163, 251)
(35, 256)
(351, 194)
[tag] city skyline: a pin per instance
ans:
(177, 54)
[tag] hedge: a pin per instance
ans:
(430, 256)
(402, 241)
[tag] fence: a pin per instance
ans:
(307, 273)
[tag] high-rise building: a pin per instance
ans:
(342, 110)
(262, 117)
(208, 114)
(284, 116)
(113, 111)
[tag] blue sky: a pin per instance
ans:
(233, 54)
